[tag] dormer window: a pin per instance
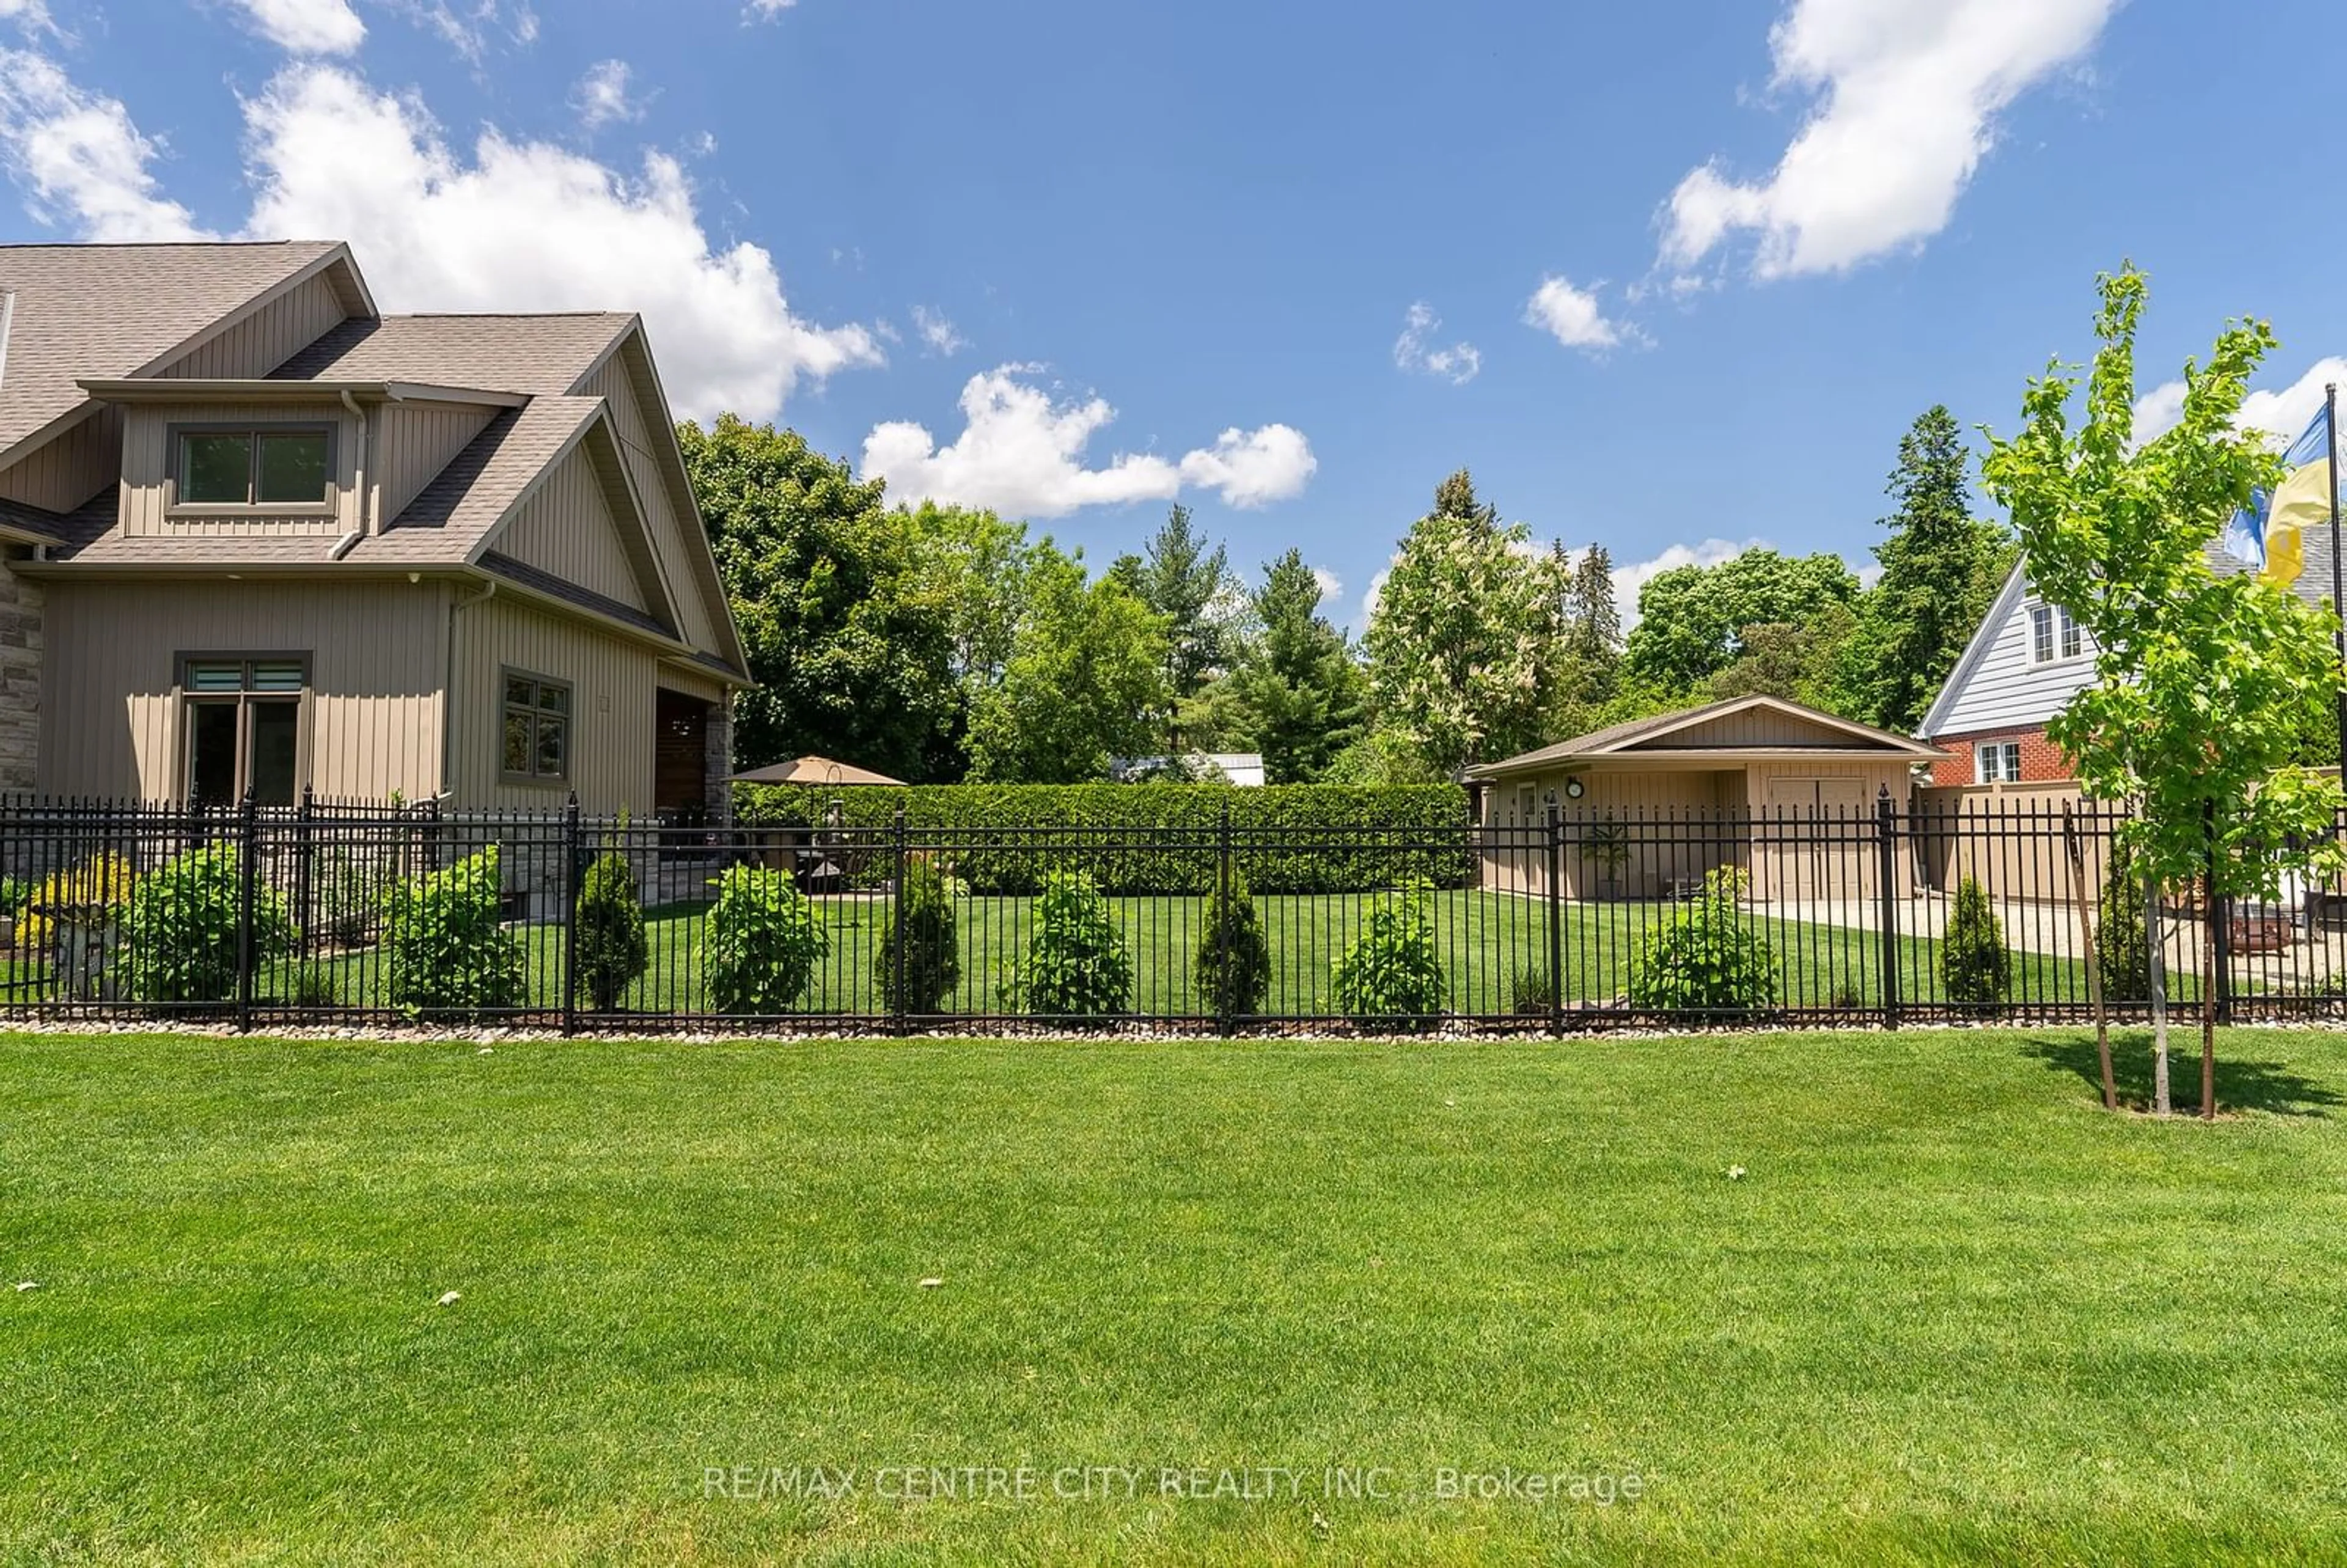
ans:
(279, 467)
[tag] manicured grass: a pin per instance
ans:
(1953, 1311)
(1486, 939)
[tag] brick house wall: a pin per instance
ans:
(20, 679)
(2042, 762)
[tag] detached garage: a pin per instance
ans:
(1780, 791)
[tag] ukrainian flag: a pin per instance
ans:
(2269, 532)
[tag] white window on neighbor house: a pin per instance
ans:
(2052, 634)
(1996, 761)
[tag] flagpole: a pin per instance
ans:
(2338, 568)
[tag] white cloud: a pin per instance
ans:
(307, 26)
(937, 332)
(1907, 99)
(602, 96)
(467, 25)
(1629, 579)
(1021, 453)
(765, 10)
(80, 158)
(1573, 317)
(32, 15)
(2284, 412)
(1457, 364)
(528, 226)
(1332, 586)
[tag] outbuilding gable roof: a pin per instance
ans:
(1834, 734)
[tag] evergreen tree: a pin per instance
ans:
(1941, 568)
(1180, 579)
(1298, 692)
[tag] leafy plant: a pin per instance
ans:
(181, 928)
(923, 923)
(1607, 842)
(1391, 978)
(1078, 964)
(443, 949)
(101, 882)
(1233, 968)
(1976, 969)
(1531, 991)
(352, 888)
(2122, 949)
(14, 893)
(612, 951)
(766, 938)
(1709, 957)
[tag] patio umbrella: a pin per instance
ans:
(814, 770)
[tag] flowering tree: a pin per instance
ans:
(2205, 680)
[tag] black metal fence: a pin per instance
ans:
(356, 912)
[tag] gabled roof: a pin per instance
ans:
(542, 356)
(1839, 737)
(76, 310)
(2313, 585)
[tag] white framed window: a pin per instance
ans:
(2052, 635)
(1996, 761)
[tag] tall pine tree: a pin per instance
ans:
(1941, 568)
(1298, 692)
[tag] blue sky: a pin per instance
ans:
(1707, 260)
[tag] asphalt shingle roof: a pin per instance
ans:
(99, 311)
(539, 356)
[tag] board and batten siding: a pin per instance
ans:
(147, 459)
(612, 709)
(113, 718)
(612, 383)
(61, 474)
(567, 528)
(2006, 690)
(267, 337)
(415, 442)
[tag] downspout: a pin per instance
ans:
(359, 478)
(448, 683)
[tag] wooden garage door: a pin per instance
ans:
(1815, 832)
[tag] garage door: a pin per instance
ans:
(1815, 839)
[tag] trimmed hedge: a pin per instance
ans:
(1145, 838)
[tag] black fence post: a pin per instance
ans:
(248, 871)
(1224, 1018)
(574, 848)
(1555, 848)
(306, 877)
(898, 1013)
(1886, 848)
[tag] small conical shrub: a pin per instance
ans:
(924, 922)
(613, 952)
(1976, 969)
(1078, 963)
(1234, 964)
(2120, 948)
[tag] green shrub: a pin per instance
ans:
(1233, 968)
(1531, 991)
(1077, 964)
(443, 950)
(1708, 958)
(612, 951)
(2122, 951)
(766, 938)
(103, 881)
(1368, 837)
(181, 934)
(15, 894)
(1391, 978)
(1975, 970)
(923, 921)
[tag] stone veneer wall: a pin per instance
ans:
(718, 748)
(20, 677)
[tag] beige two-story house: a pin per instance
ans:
(260, 536)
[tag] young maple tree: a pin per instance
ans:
(2205, 680)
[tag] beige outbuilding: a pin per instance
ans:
(1781, 792)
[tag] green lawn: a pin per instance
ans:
(1485, 940)
(1953, 1312)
